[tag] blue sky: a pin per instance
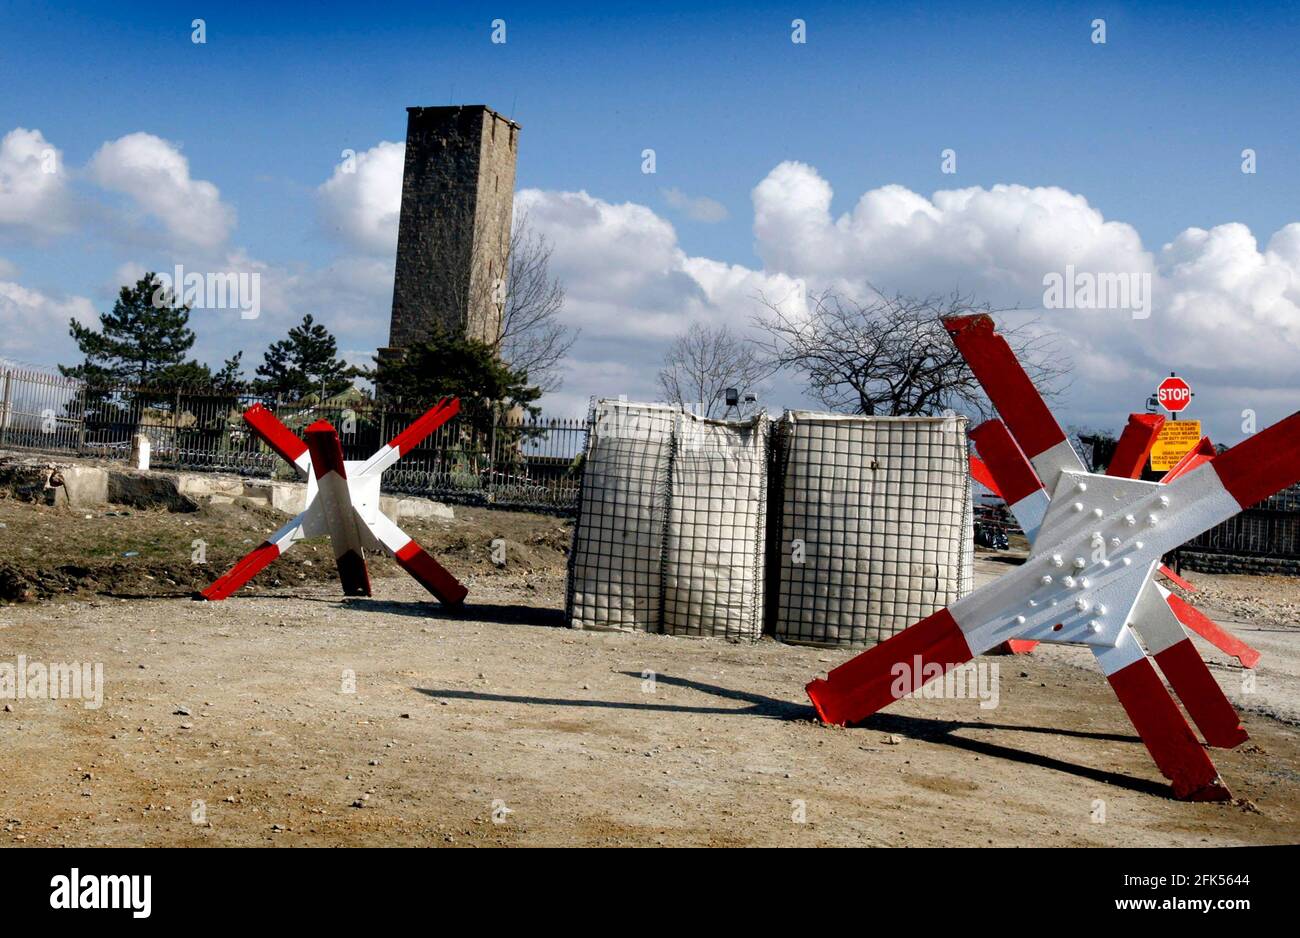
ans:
(1148, 128)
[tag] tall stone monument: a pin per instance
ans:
(453, 238)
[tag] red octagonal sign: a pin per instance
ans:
(1174, 394)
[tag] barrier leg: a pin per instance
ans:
(1172, 649)
(1168, 738)
(255, 561)
(894, 668)
(1210, 630)
(336, 503)
(413, 558)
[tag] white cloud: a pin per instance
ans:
(126, 274)
(35, 322)
(1000, 240)
(34, 196)
(1225, 313)
(631, 288)
(351, 295)
(701, 208)
(361, 202)
(156, 177)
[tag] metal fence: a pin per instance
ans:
(481, 456)
(1268, 529)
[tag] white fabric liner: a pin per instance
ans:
(671, 524)
(671, 531)
(882, 509)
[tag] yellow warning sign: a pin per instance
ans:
(1176, 438)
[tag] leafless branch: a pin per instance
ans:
(703, 362)
(532, 338)
(891, 356)
(528, 335)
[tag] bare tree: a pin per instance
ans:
(531, 336)
(703, 362)
(891, 356)
(1095, 446)
(516, 314)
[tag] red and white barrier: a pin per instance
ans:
(343, 503)
(1089, 576)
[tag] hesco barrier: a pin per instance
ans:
(717, 525)
(671, 524)
(870, 524)
(874, 530)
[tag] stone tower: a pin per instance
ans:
(453, 238)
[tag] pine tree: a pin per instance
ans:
(304, 363)
(453, 365)
(491, 393)
(231, 375)
(142, 341)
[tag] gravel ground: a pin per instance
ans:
(288, 715)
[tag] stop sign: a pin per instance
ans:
(1174, 394)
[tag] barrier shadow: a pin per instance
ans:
(497, 613)
(942, 732)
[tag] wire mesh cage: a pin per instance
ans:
(874, 525)
(713, 571)
(671, 523)
(616, 564)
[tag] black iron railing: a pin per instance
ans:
(483, 455)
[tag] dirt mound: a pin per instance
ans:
(48, 552)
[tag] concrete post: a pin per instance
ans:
(140, 448)
(5, 405)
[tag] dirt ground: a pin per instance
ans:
(288, 715)
(48, 552)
